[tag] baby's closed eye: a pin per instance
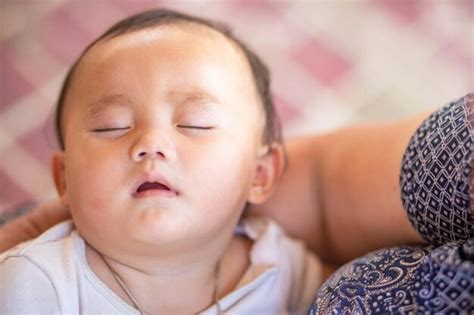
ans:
(111, 132)
(108, 129)
(195, 127)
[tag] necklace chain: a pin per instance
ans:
(127, 291)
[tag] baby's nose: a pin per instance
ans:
(145, 154)
(153, 146)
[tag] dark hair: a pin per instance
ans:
(158, 17)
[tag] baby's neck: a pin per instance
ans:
(183, 288)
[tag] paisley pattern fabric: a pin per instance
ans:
(437, 190)
(380, 282)
(403, 280)
(436, 174)
(444, 282)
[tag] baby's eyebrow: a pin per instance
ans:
(106, 101)
(193, 96)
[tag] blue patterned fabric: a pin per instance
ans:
(444, 282)
(403, 280)
(380, 282)
(435, 175)
(437, 190)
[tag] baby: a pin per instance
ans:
(167, 131)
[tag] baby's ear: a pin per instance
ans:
(270, 166)
(59, 175)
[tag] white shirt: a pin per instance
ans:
(50, 275)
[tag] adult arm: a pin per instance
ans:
(32, 224)
(340, 191)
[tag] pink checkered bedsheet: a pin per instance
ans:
(333, 63)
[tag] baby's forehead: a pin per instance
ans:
(109, 65)
(196, 37)
(171, 44)
(181, 46)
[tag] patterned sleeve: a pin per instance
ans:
(436, 180)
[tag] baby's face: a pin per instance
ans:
(162, 130)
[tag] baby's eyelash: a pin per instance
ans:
(194, 127)
(109, 129)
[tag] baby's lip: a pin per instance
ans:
(153, 182)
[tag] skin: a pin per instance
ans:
(32, 224)
(344, 190)
(176, 102)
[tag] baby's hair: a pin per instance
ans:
(160, 17)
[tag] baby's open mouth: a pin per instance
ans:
(151, 186)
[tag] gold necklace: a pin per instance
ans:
(127, 291)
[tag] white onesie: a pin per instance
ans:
(50, 275)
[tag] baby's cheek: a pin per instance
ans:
(232, 187)
(89, 211)
(86, 191)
